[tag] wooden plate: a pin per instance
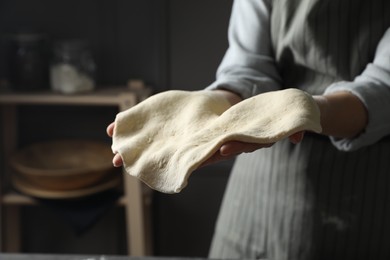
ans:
(64, 165)
(25, 187)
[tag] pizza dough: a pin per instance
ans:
(163, 139)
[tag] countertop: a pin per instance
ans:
(12, 256)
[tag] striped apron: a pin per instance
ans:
(312, 201)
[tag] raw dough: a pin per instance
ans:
(163, 139)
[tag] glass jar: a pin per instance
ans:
(28, 62)
(72, 68)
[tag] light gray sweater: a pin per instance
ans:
(266, 49)
(313, 200)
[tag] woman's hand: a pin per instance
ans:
(117, 160)
(233, 148)
(343, 115)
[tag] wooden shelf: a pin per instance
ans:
(18, 199)
(136, 198)
(14, 198)
(104, 97)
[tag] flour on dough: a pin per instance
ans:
(163, 139)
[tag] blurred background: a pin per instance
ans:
(168, 44)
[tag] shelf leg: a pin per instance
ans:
(137, 216)
(9, 144)
(12, 229)
(134, 216)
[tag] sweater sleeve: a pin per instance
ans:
(372, 87)
(248, 67)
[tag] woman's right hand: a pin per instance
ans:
(233, 148)
(117, 159)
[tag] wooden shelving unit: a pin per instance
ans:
(136, 199)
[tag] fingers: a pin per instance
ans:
(117, 160)
(110, 129)
(231, 149)
(234, 148)
(217, 157)
(297, 137)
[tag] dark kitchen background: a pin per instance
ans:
(169, 44)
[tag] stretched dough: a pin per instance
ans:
(163, 139)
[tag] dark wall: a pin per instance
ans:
(198, 40)
(168, 43)
(171, 44)
(125, 35)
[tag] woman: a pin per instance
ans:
(325, 197)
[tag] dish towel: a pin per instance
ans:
(84, 212)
